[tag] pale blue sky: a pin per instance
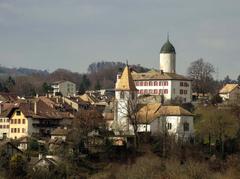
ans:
(71, 34)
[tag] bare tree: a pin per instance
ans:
(201, 74)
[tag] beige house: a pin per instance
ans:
(230, 92)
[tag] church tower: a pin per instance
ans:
(168, 58)
(125, 102)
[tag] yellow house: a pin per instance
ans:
(18, 124)
(35, 118)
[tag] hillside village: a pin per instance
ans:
(157, 117)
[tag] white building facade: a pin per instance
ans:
(172, 86)
(173, 120)
(125, 103)
(4, 127)
(66, 88)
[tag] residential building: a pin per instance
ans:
(171, 86)
(35, 118)
(230, 92)
(173, 120)
(65, 88)
(4, 126)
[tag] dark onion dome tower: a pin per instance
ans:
(168, 58)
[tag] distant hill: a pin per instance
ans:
(6, 71)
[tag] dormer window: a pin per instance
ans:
(18, 113)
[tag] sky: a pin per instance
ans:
(71, 34)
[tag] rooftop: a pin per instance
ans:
(228, 88)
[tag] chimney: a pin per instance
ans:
(161, 72)
(35, 107)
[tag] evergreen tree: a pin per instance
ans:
(238, 79)
(227, 80)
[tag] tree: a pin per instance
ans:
(84, 85)
(18, 166)
(216, 126)
(227, 80)
(46, 88)
(85, 122)
(201, 74)
(238, 79)
(9, 84)
(97, 85)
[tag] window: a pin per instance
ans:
(121, 95)
(165, 83)
(181, 91)
(0, 120)
(155, 83)
(0, 126)
(23, 130)
(185, 126)
(145, 91)
(159, 83)
(141, 83)
(155, 91)
(146, 83)
(169, 126)
(8, 126)
(23, 121)
(181, 83)
(12, 130)
(137, 83)
(18, 130)
(15, 121)
(18, 113)
(185, 91)
(150, 83)
(165, 91)
(141, 92)
(15, 130)
(160, 91)
(19, 121)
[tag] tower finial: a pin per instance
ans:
(168, 36)
(127, 62)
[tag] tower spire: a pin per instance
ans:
(168, 36)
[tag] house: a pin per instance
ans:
(65, 88)
(47, 162)
(145, 115)
(174, 120)
(76, 103)
(59, 133)
(9, 148)
(8, 97)
(230, 92)
(34, 117)
(4, 126)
